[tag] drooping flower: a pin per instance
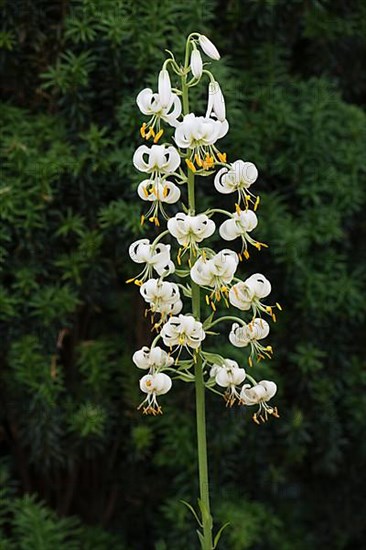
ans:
(259, 394)
(215, 273)
(216, 103)
(183, 330)
(247, 294)
(162, 296)
(239, 177)
(154, 359)
(189, 230)
(157, 160)
(150, 104)
(249, 334)
(157, 191)
(208, 47)
(154, 384)
(196, 63)
(154, 256)
(240, 224)
(199, 134)
(229, 375)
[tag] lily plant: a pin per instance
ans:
(181, 147)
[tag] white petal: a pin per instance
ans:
(208, 47)
(270, 387)
(196, 63)
(164, 88)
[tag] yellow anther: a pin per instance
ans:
(274, 317)
(146, 192)
(208, 162)
(278, 305)
(256, 203)
(198, 160)
(213, 306)
(269, 310)
(158, 135)
(190, 165)
(217, 295)
(189, 262)
(246, 254)
(143, 130)
(207, 300)
(250, 361)
(130, 280)
(237, 208)
(269, 348)
(181, 339)
(255, 418)
(137, 282)
(165, 191)
(142, 219)
(221, 157)
(156, 221)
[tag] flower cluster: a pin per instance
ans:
(183, 145)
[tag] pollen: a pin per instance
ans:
(191, 166)
(143, 130)
(158, 136)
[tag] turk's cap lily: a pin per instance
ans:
(190, 229)
(183, 330)
(208, 47)
(242, 294)
(164, 88)
(240, 336)
(154, 358)
(150, 104)
(157, 257)
(216, 271)
(196, 63)
(158, 190)
(154, 385)
(240, 176)
(228, 374)
(263, 391)
(194, 132)
(159, 158)
(163, 296)
(238, 225)
(216, 103)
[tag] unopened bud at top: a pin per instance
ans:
(196, 63)
(208, 47)
(164, 88)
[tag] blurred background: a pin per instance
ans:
(80, 467)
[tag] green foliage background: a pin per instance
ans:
(80, 468)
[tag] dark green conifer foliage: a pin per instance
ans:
(80, 468)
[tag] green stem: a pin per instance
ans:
(207, 543)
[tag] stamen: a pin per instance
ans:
(278, 305)
(143, 130)
(190, 165)
(246, 254)
(198, 160)
(158, 135)
(142, 219)
(257, 201)
(221, 157)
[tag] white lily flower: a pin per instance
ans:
(196, 63)
(248, 294)
(183, 330)
(216, 102)
(155, 257)
(239, 177)
(208, 47)
(157, 191)
(249, 334)
(229, 375)
(189, 230)
(159, 159)
(154, 384)
(195, 132)
(240, 224)
(164, 88)
(258, 395)
(153, 359)
(150, 104)
(163, 297)
(216, 272)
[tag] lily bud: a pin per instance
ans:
(164, 88)
(196, 63)
(208, 47)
